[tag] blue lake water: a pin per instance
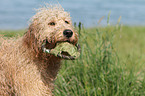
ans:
(15, 14)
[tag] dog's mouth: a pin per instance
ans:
(62, 49)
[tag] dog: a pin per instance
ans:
(25, 70)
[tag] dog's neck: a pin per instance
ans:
(48, 68)
(48, 65)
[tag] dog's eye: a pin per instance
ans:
(66, 22)
(51, 23)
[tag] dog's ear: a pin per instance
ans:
(30, 39)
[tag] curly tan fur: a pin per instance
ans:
(24, 69)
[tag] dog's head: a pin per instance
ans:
(51, 25)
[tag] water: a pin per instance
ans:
(15, 14)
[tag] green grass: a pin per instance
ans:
(103, 68)
(11, 33)
(111, 63)
(131, 47)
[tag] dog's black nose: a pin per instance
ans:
(67, 33)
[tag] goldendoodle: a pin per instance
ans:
(25, 70)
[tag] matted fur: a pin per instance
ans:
(24, 69)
